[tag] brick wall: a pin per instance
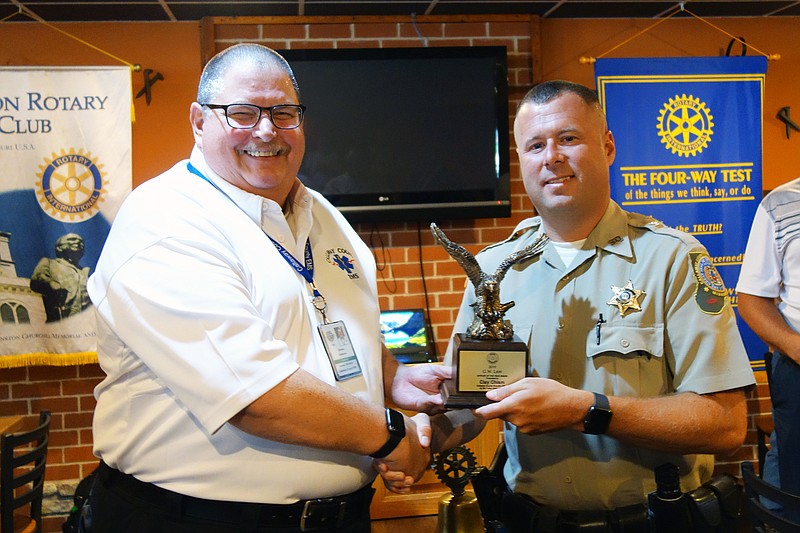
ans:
(405, 252)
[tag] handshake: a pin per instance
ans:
(430, 431)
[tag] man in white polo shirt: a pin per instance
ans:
(238, 328)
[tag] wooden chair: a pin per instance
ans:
(23, 456)
(763, 518)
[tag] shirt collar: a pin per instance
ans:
(611, 233)
(262, 211)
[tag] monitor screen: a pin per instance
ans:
(405, 335)
(406, 133)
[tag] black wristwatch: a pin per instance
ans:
(599, 416)
(397, 430)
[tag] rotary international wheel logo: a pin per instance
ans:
(70, 186)
(685, 125)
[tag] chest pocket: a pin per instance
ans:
(629, 360)
(627, 340)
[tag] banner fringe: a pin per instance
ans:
(47, 359)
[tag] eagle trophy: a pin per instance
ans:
(488, 323)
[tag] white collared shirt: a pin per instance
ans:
(199, 315)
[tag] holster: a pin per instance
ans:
(716, 505)
(489, 486)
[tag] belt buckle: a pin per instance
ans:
(322, 513)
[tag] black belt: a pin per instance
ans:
(308, 515)
(520, 514)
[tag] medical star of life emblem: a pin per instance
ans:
(342, 258)
(626, 298)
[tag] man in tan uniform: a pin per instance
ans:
(635, 355)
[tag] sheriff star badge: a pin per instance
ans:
(626, 298)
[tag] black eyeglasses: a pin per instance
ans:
(246, 116)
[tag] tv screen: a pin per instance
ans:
(406, 133)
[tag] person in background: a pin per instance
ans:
(62, 281)
(635, 355)
(245, 378)
(769, 301)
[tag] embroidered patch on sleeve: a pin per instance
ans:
(710, 294)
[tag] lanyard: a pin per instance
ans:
(305, 269)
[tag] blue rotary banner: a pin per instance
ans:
(688, 133)
(65, 151)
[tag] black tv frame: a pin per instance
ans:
(491, 200)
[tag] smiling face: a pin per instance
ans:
(262, 160)
(565, 151)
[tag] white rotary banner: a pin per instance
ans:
(65, 155)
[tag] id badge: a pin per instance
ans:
(340, 350)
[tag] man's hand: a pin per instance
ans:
(538, 405)
(416, 387)
(412, 457)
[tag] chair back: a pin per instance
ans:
(761, 516)
(23, 456)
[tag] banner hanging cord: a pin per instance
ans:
(680, 8)
(30, 14)
(25, 11)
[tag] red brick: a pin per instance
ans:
(364, 43)
(466, 29)
(330, 31)
(91, 371)
(42, 373)
(63, 438)
(76, 454)
(428, 30)
(37, 389)
(512, 29)
(375, 31)
(73, 387)
(284, 31)
(11, 408)
(240, 32)
(305, 44)
(57, 472)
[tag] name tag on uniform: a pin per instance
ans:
(340, 350)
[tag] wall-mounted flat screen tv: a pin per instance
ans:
(417, 134)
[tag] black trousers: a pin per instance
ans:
(520, 514)
(120, 503)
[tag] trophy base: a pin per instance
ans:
(453, 399)
(482, 365)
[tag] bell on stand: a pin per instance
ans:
(458, 511)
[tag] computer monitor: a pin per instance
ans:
(405, 333)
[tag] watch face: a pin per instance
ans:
(597, 421)
(395, 423)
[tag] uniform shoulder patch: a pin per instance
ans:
(710, 294)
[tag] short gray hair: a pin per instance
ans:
(212, 78)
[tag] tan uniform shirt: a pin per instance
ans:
(683, 338)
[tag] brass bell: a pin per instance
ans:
(459, 511)
(459, 514)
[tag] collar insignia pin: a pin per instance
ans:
(626, 298)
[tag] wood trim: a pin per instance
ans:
(366, 19)
(536, 50)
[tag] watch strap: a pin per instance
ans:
(396, 425)
(599, 416)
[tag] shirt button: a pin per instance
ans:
(565, 278)
(625, 343)
(567, 479)
(561, 324)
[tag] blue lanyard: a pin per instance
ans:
(306, 270)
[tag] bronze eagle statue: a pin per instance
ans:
(489, 310)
